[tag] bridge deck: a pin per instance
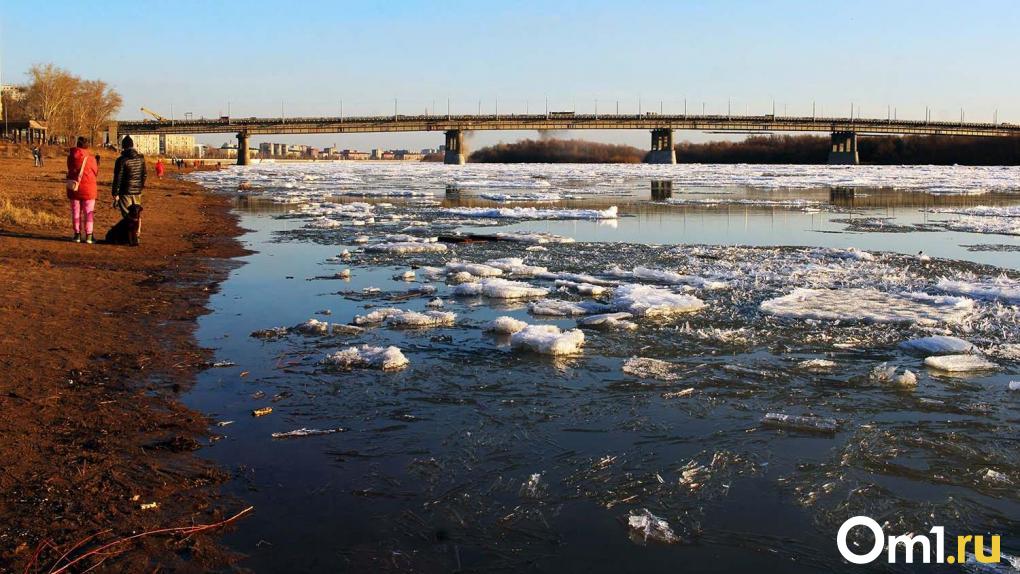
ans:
(563, 121)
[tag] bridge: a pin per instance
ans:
(844, 131)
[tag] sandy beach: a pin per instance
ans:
(97, 343)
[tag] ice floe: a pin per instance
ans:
(869, 305)
(1001, 287)
(609, 321)
(649, 301)
(645, 526)
(505, 325)
(497, 288)
(366, 356)
(939, 345)
(532, 213)
(959, 363)
(802, 423)
(548, 340)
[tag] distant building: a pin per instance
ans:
(388, 154)
(165, 144)
(353, 154)
(405, 155)
(377, 154)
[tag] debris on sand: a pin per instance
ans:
(800, 423)
(959, 363)
(548, 340)
(645, 526)
(366, 356)
(306, 432)
(648, 368)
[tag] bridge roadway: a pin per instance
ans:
(844, 130)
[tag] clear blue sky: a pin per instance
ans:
(198, 56)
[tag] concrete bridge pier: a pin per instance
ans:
(662, 147)
(454, 148)
(242, 149)
(844, 149)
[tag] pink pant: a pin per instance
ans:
(83, 208)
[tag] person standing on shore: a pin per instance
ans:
(160, 168)
(128, 177)
(36, 157)
(82, 173)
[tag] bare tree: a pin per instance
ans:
(69, 105)
(49, 94)
(99, 103)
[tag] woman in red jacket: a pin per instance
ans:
(84, 170)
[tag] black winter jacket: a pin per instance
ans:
(129, 173)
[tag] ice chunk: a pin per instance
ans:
(534, 238)
(906, 379)
(306, 432)
(665, 276)
(548, 340)
(461, 277)
(648, 368)
(648, 301)
(516, 266)
(416, 320)
(532, 213)
(645, 526)
(1002, 288)
(406, 276)
(436, 303)
(869, 305)
(558, 308)
(802, 423)
(817, 365)
(497, 288)
(959, 363)
(313, 327)
(1014, 386)
(939, 345)
(403, 247)
(366, 356)
(376, 316)
(532, 488)
(273, 333)
(475, 269)
(581, 288)
(505, 325)
(609, 321)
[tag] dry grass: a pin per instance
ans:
(15, 215)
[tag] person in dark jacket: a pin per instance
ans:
(128, 177)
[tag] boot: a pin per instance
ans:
(89, 239)
(76, 238)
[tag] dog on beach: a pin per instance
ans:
(127, 229)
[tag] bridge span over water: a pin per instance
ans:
(844, 131)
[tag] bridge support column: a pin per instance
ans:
(844, 149)
(454, 148)
(242, 149)
(662, 147)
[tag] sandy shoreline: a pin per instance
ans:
(97, 344)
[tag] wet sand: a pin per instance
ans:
(97, 343)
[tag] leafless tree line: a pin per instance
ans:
(70, 106)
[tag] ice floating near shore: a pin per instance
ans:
(533, 238)
(403, 247)
(801, 423)
(648, 368)
(648, 301)
(522, 197)
(400, 318)
(715, 202)
(581, 288)
(504, 325)
(305, 432)
(817, 365)
(959, 363)
(548, 340)
(1001, 287)
(532, 213)
(1014, 386)
(869, 305)
(939, 345)
(886, 373)
(366, 356)
(497, 288)
(989, 225)
(664, 276)
(559, 308)
(980, 211)
(609, 322)
(645, 526)
(313, 327)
